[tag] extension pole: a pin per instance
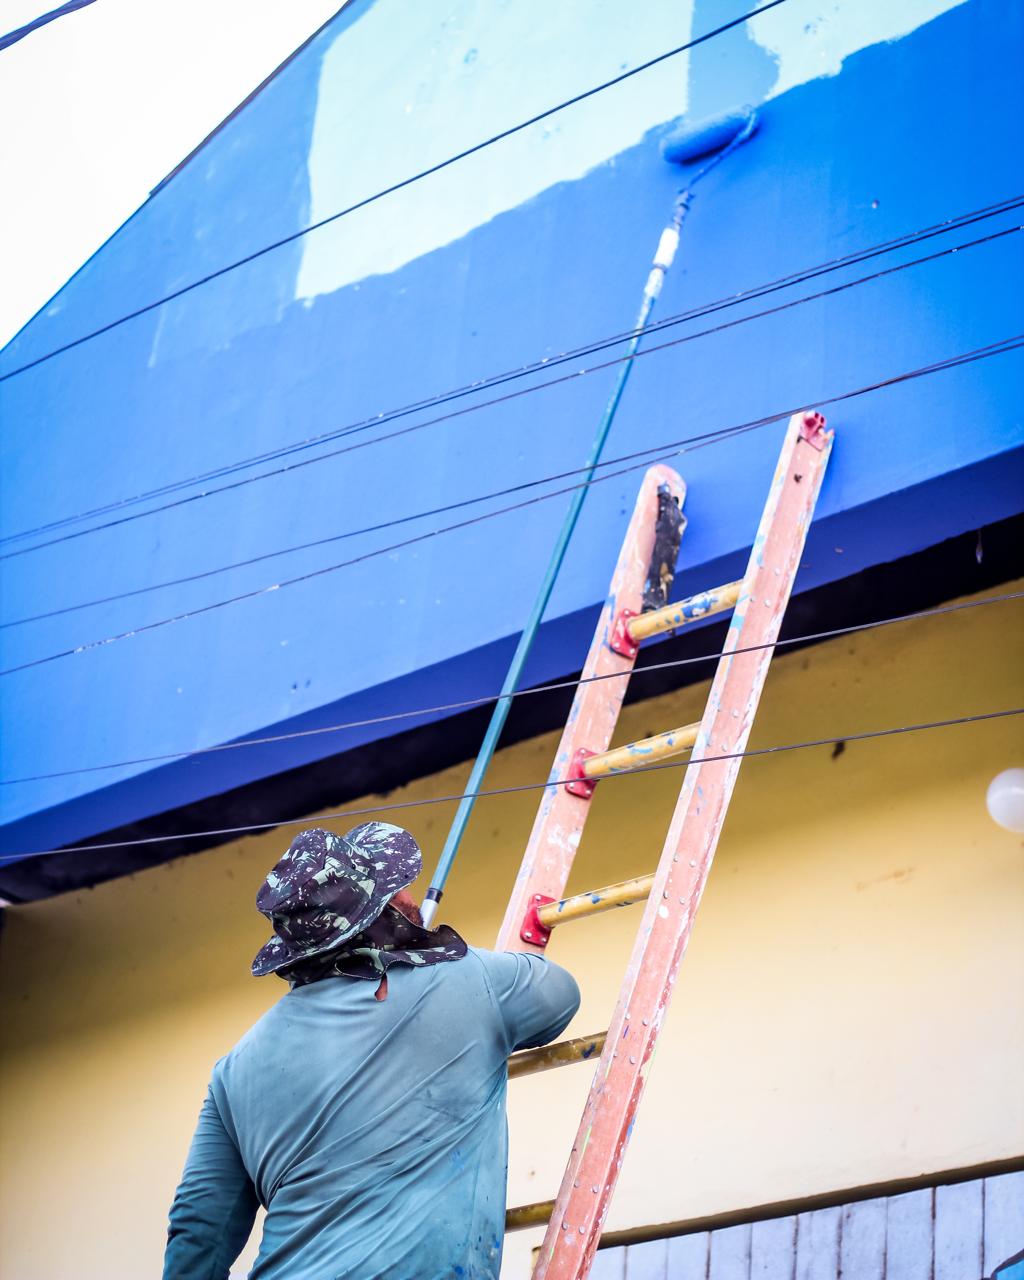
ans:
(717, 138)
(662, 261)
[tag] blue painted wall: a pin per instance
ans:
(529, 248)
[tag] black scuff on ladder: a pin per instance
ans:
(668, 532)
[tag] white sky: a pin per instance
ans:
(97, 107)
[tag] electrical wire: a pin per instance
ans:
(421, 515)
(678, 447)
(452, 506)
(386, 191)
(383, 418)
(686, 446)
(547, 362)
(344, 564)
(467, 704)
(523, 786)
(19, 33)
(956, 223)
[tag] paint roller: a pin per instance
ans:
(685, 144)
(710, 140)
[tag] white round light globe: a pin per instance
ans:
(1005, 799)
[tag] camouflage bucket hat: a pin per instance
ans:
(328, 888)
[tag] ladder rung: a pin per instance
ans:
(528, 1215)
(634, 754)
(623, 894)
(561, 1054)
(674, 616)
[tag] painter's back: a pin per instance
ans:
(372, 1131)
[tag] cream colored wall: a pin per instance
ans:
(851, 1009)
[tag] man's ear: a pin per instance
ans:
(404, 902)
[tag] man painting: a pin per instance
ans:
(365, 1111)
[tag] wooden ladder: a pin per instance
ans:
(673, 891)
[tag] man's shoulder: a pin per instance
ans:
(534, 997)
(480, 972)
(508, 959)
(499, 962)
(507, 969)
(478, 966)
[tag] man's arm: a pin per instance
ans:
(536, 999)
(214, 1207)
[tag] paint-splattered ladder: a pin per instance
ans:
(674, 890)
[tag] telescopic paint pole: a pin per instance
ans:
(663, 259)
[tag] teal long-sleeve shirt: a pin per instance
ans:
(373, 1132)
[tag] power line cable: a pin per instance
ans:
(317, 542)
(452, 506)
(981, 353)
(542, 364)
(513, 395)
(676, 447)
(386, 191)
(344, 564)
(462, 503)
(467, 704)
(19, 33)
(782, 748)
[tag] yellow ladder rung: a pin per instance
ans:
(528, 1215)
(623, 894)
(636, 754)
(530, 1061)
(674, 616)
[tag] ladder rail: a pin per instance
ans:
(585, 1193)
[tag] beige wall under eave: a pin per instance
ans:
(851, 1009)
